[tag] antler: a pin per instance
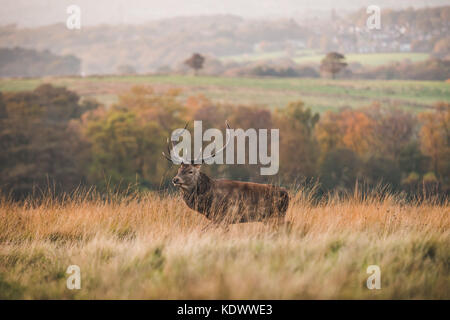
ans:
(170, 142)
(203, 160)
(199, 159)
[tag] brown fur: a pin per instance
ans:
(230, 201)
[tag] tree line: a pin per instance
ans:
(333, 64)
(20, 62)
(51, 137)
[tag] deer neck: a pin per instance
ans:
(202, 187)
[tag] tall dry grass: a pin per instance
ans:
(152, 247)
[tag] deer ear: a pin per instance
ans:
(197, 165)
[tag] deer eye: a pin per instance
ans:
(191, 172)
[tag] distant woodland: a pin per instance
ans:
(31, 63)
(163, 46)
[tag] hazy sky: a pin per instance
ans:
(43, 12)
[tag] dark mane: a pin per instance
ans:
(200, 198)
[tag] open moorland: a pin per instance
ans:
(153, 247)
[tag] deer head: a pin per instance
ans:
(189, 171)
(187, 176)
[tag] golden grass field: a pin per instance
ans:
(151, 246)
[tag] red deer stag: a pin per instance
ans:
(227, 201)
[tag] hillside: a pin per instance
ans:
(166, 43)
(155, 44)
(19, 62)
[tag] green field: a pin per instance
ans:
(308, 56)
(318, 94)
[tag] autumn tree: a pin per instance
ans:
(381, 139)
(127, 140)
(213, 115)
(435, 139)
(195, 62)
(333, 63)
(39, 149)
(249, 117)
(125, 150)
(392, 130)
(350, 129)
(162, 107)
(298, 148)
(196, 103)
(328, 132)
